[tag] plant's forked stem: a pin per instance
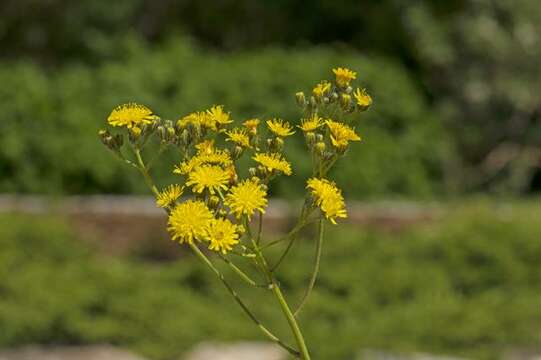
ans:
(315, 272)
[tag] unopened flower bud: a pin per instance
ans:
(184, 137)
(349, 89)
(310, 139)
(345, 101)
(320, 147)
(313, 101)
(334, 96)
(319, 138)
(171, 133)
(214, 202)
(277, 145)
(253, 172)
(237, 152)
(301, 99)
(162, 133)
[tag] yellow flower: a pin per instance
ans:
(273, 161)
(206, 154)
(222, 235)
(239, 137)
(328, 197)
(251, 125)
(247, 197)
(344, 76)
(363, 99)
(218, 115)
(188, 221)
(321, 89)
(169, 195)
(131, 115)
(311, 124)
(209, 177)
(280, 127)
(199, 118)
(341, 134)
(205, 147)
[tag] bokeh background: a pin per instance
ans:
(453, 141)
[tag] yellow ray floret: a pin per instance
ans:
(344, 76)
(311, 124)
(169, 195)
(247, 197)
(222, 235)
(131, 115)
(210, 177)
(216, 156)
(321, 89)
(328, 197)
(341, 134)
(251, 125)
(219, 116)
(273, 162)
(280, 127)
(189, 221)
(239, 137)
(363, 99)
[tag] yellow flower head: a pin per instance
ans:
(131, 115)
(273, 162)
(205, 155)
(328, 197)
(205, 147)
(363, 99)
(210, 177)
(311, 124)
(169, 195)
(200, 119)
(247, 197)
(280, 127)
(219, 116)
(222, 235)
(341, 134)
(188, 221)
(344, 76)
(321, 89)
(239, 137)
(251, 125)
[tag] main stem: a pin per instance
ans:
(299, 339)
(270, 335)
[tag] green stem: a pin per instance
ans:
(144, 171)
(270, 335)
(241, 273)
(315, 272)
(304, 355)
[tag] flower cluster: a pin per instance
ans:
(210, 203)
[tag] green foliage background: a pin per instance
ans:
(437, 288)
(455, 84)
(52, 119)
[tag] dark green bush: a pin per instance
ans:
(467, 286)
(49, 120)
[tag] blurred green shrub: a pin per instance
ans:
(467, 286)
(49, 120)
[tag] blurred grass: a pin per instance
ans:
(469, 285)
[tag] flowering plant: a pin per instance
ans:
(214, 205)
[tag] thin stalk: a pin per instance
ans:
(241, 273)
(144, 171)
(304, 355)
(265, 331)
(260, 227)
(315, 272)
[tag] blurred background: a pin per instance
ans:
(442, 250)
